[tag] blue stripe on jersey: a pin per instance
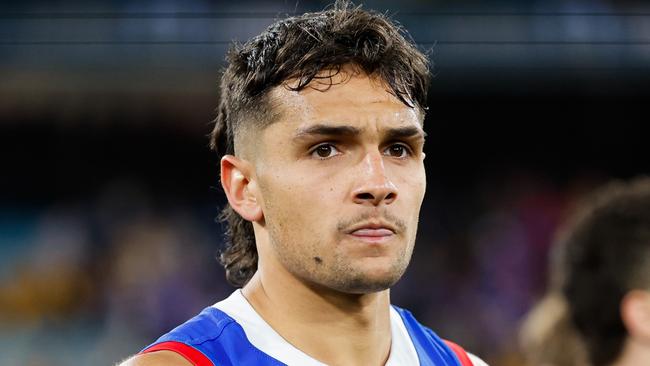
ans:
(223, 341)
(431, 350)
(220, 338)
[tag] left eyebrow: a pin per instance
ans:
(405, 132)
(327, 130)
(396, 133)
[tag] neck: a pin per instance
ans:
(634, 353)
(303, 313)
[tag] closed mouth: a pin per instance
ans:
(373, 228)
(373, 232)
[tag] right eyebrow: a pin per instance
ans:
(327, 130)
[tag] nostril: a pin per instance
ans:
(365, 196)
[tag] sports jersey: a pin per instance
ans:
(231, 332)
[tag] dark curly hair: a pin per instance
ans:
(607, 254)
(300, 48)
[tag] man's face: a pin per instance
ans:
(342, 179)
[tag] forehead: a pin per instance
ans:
(348, 96)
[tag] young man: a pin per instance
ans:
(607, 279)
(320, 128)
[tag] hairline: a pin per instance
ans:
(271, 110)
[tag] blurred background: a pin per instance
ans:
(108, 191)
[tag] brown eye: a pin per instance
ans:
(324, 151)
(397, 151)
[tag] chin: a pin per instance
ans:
(364, 283)
(367, 287)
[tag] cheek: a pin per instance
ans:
(412, 186)
(421, 188)
(297, 200)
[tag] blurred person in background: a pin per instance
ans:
(547, 334)
(548, 337)
(320, 128)
(601, 315)
(607, 285)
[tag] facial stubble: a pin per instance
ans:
(331, 266)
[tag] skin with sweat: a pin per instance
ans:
(333, 188)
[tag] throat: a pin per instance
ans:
(358, 327)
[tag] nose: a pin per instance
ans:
(373, 185)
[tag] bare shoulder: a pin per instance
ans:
(158, 358)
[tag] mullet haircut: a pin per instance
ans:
(300, 48)
(607, 254)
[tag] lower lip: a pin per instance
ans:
(372, 237)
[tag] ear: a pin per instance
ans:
(635, 313)
(239, 183)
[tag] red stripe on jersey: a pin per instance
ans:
(460, 353)
(190, 353)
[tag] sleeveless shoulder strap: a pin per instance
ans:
(190, 353)
(212, 338)
(460, 353)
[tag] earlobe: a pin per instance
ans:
(238, 182)
(635, 313)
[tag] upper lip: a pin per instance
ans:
(373, 225)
